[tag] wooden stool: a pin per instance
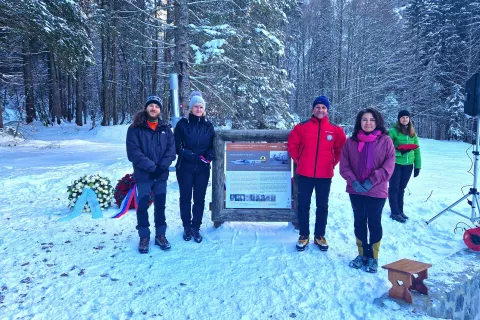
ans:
(401, 275)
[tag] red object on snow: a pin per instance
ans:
(471, 237)
(123, 186)
(407, 147)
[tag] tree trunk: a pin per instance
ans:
(105, 64)
(62, 90)
(28, 82)
(55, 107)
(114, 108)
(339, 57)
(124, 92)
(168, 50)
(1, 112)
(155, 51)
(141, 65)
(69, 98)
(181, 65)
(155, 68)
(83, 95)
(113, 65)
(113, 86)
(79, 98)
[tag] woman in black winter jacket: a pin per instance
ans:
(194, 146)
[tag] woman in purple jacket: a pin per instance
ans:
(367, 163)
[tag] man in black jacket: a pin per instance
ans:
(151, 149)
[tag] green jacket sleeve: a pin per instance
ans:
(392, 133)
(418, 159)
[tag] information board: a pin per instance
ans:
(258, 175)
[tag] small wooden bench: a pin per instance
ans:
(402, 273)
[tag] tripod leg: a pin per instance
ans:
(448, 208)
(475, 209)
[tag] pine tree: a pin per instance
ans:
(59, 27)
(237, 52)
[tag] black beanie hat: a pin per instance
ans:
(403, 113)
(153, 99)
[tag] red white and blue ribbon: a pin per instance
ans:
(125, 205)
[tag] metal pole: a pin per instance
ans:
(474, 190)
(174, 98)
(449, 209)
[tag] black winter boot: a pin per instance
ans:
(144, 245)
(187, 234)
(398, 217)
(162, 242)
(372, 265)
(358, 262)
(403, 215)
(197, 237)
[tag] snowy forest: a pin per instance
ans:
(259, 63)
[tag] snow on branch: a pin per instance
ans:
(209, 50)
(261, 29)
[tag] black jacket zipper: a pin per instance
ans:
(316, 153)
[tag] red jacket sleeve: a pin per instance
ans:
(294, 142)
(337, 147)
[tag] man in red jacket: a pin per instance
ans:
(315, 146)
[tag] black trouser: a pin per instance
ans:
(192, 180)
(159, 188)
(305, 190)
(396, 187)
(367, 216)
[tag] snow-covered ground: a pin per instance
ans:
(91, 269)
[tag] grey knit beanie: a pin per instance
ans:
(195, 98)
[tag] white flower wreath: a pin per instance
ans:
(100, 185)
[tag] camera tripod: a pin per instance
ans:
(474, 203)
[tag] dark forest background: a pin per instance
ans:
(259, 63)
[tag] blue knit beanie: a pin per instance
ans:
(195, 98)
(323, 100)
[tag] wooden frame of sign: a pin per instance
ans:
(221, 214)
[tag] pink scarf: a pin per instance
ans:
(365, 165)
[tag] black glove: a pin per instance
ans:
(189, 155)
(404, 151)
(416, 172)
(209, 156)
(158, 171)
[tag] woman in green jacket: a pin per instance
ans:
(407, 156)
